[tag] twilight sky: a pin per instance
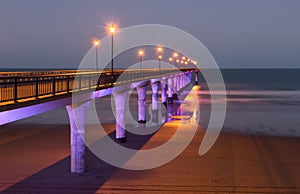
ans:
(241, 34)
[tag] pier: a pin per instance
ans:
(26, 94)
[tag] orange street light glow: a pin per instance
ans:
(96, 42)
(159, 49)
(112, 28)
(183, 58)
(177, 61)
(186, 62)
(141, 53)
(159, 57)
(170, 59)
(175, 55)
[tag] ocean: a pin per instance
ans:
(259, 101)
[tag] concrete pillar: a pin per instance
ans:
(77, 115)
(170, 90)
(141, 90)
(163, 91)
(196, 77)
(190, 77)
(154, 86)
(175, 83)
(179, 83)
(183, 81)
(170, 112)
(120, 104)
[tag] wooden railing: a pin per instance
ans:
(18, 86)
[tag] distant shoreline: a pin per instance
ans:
(72, 69)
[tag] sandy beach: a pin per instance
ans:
(35, 158)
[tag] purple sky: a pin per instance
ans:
(58, 33)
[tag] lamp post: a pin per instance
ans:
(96, 44)
(183, 61)
(159, 51)
(141, 54)
(194, 62)
(170, 61)
(186, 64)
(175, 55)
(159, 60)
(112, 30)
(189, 61)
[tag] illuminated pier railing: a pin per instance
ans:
(20, 86)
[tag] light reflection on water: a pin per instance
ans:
(249, 112)
(186, 109)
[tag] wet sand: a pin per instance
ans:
(35, 158)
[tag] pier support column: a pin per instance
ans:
(175, 84)
(163, 91)
(183, 80)
(179, 82)
(196, 77)
(154, 86)
(189, 77)
(170, 90)
(170, 112)
(141, 90)
(120, 104)
(175, 80)
(77, 115)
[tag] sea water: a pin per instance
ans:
(259, 101)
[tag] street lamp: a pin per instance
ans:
(96, 44)
(112, 30)
(189, 62)
(175, 55)
(159, 51)
(170, 61)
(195, 63)
(159, 60)
(141, 54)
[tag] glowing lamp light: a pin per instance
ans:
(170, 59)
(175, 55)
(141, 53)
(159, 57)
(177, 61)
(159, 49)
(181, 62)
(112, 28)
(183, 58)
(185, 62)
(96, 42)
